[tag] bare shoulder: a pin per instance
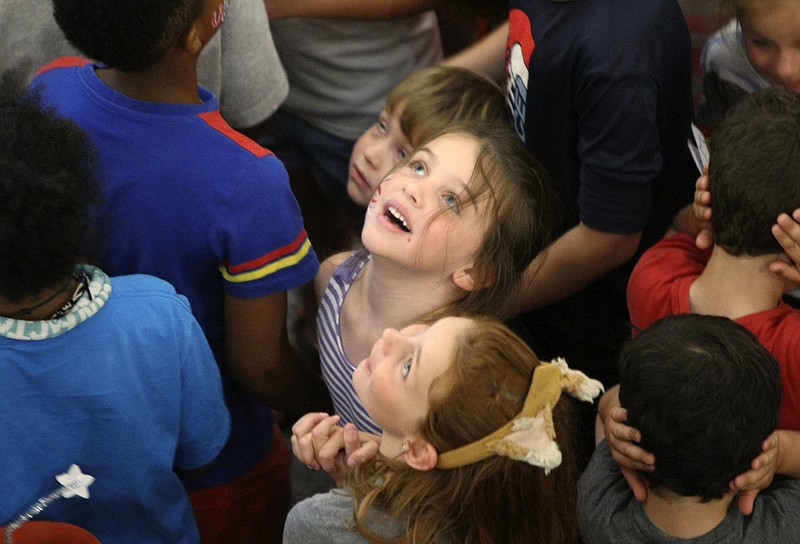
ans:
(326, 270)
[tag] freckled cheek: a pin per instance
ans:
(374, 200)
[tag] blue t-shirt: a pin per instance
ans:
(126, 387)
(189, 200)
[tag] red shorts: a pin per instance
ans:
(251, 508)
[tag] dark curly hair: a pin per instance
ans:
(705, 394)
(128, 35)
(754, 170)
(47, 182)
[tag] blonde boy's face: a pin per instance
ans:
(375, 153)
(394, 382)
(772, 39)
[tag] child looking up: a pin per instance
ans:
(426, 103)
(448, 232)
(704, 394)
(758, 48)
(193, 202)
(460, 402)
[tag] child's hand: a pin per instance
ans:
(631, 458)
(787, 232)
(317, 440)
(701, 208)
(359, 447)
(762, 471)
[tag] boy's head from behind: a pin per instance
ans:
(47, 183)
(754, 171)
(705, 394)
(128, 35)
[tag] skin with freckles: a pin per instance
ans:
(422, 214)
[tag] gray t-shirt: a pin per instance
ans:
(608, 512)
(340, 71)
(240, 64)
(325, 518)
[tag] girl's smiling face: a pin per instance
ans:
(423, 215)
(772, 39)
(394, 381)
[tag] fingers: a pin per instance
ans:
(352, 441)
(367, 449)
(746, 501)
(311, 435)
(623, 441)
(701, 209)
(704, 239)
(636, 483)
(787, 232)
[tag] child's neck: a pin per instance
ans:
(402, 295)
(385, 295)
(735, 287)
(172, 80)
(685, 517)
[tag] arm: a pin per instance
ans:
(486, 56)
(262, 361)
(346, 9)
(251, 80)
(580, 256)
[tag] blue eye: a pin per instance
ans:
(406, 369)
(381, 126)
(417, 167)
(452, 201)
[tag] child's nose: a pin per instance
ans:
(372, 156)
(788, 66)
(414, 190)
(391, 339)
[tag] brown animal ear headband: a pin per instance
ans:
(530, 436)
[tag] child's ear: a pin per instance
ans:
(193, 43)
(419, 454)
(465, 279)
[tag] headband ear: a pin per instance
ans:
(530, 436)
(532, 440)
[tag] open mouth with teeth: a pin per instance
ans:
(394, 216)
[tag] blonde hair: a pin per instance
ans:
(491, 501)
(434, 98)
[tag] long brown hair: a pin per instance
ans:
(491, 501)
(523, 215)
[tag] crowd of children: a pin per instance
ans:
(527, 200)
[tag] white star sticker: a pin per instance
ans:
(75, 482)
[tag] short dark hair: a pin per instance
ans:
(754, 170)
(128, 35)
(47, 182)
(705, 394)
